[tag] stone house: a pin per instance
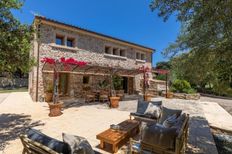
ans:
(55, 39)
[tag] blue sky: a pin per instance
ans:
(130, 20)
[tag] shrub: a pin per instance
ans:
(182, 86)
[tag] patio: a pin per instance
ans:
(87, 121)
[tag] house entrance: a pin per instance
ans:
(125, 84)
(63, 84)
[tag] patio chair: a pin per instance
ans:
(104, 96)
(141, 108)
(161, 140)
(35, 142)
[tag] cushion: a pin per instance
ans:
(78, 145)
(170, 121)
(160, 136)
(153, 111)
(136, 147)
(142, 105)
(166, 112)
(51, 143)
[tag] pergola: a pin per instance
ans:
(93, 69)
(71, 65)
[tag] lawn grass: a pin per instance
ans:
(14, 90)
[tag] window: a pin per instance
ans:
(142, 56)
(59, 40)
(70, 42)
(107, 50)
(122, 53)
(85, 79)
(115, 51)
(137, 55)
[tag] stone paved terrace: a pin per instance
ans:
(18, 112)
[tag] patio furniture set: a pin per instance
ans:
(101, 95)
(153, 128)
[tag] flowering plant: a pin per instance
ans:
(66, 63)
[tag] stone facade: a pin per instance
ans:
(86, 48)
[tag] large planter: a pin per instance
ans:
(55, 109)
(114, 101)
(169, 94)
(48, 97)
(148, 97)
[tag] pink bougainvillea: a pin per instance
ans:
(48, 60)
(58, 64)
(72, 61)
(64, 61)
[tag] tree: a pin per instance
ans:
(205, 25)
(15, 39)
(205, 39)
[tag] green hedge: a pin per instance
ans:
(182, 86)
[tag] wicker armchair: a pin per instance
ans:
(141, 107)
(179, 143)
(35, 142)
(104, 96)
(33, 147)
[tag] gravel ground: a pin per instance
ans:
(225, 103)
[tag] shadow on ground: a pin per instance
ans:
(200, 138)
(12, 125)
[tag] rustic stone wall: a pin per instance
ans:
(89, 49)
(14, 82)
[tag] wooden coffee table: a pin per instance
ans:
(129, 128)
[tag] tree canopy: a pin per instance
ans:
(202, 53)
(15, 39)
(205, 25)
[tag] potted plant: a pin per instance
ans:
(102, 85)
(117, 82)
(169, 94)
(55, 107)
(49, 93)
(114, 99)
(148, 96)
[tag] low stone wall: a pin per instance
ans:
(187, 96)
(13, 83)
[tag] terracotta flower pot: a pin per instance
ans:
(148, 97)
(48, 97)
(114, 101)
(170, 94)
(55, 109)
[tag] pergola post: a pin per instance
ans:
(166, 85)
